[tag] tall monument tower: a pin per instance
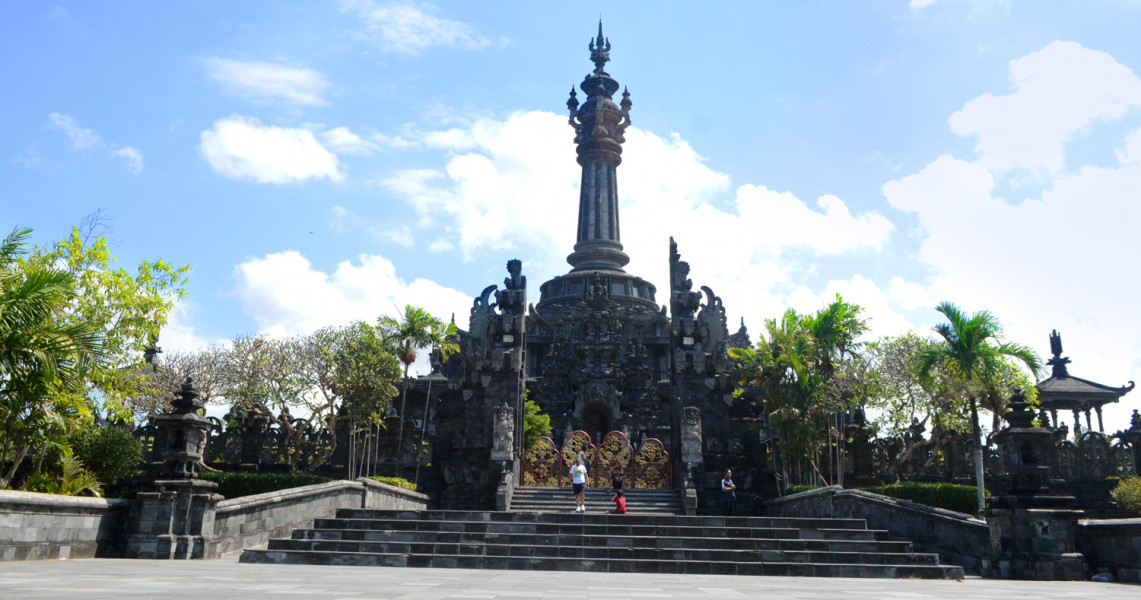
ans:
(599, 125)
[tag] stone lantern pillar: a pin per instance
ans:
(173, 516)
(1133, 436)
(1033, 534)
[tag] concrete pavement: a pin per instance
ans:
(226, 578)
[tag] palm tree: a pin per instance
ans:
(972, 346)
(409, 333)
(41, 359)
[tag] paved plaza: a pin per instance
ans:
(226, 578)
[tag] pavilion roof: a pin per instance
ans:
(1063, 391)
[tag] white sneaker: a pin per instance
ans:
(578, 509)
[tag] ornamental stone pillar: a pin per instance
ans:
(1033, 533)
(172, 517)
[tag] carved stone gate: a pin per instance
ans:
(545, 465)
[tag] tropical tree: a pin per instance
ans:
(129, 309)
(45, 351)
(794, 368)
(366, 367)
(972, 347)
(409, 333)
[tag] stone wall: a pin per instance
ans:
(44, 526)
(1112, 546)
(959, 539)
(253, 520)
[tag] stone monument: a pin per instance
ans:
(172, 517)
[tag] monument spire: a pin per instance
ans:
(599, 126)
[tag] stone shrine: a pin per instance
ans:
(597, 353)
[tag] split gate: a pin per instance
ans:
(545, 465)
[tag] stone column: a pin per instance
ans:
(172, 517)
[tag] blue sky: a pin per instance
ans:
(318, 162)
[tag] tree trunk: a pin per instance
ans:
(400, 429)
(15, 465)
(979, 467)
(423, 428)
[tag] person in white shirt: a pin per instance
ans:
(578, 484)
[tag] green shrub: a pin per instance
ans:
(109, 453)
(796, 489)
(535, 423)
(1127, 494)
(236, 485)
(71, 480)
(950, 496)
(399, 482)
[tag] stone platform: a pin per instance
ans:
(603, 543)
(225, 578)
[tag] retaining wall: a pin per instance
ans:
(45, 526)
(1113, 546)
(958, 538)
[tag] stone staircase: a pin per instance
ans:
(556, 500)
(631, 543)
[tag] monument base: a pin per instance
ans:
(174, 519)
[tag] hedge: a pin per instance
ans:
(236, 485)
(951, 496)
(399, 482)
(796, 489)
(1127, 494)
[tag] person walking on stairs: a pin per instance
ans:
(578, 484)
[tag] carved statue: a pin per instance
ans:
(504, 435)
(691, 436)
(516, 281)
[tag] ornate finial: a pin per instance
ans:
(1055, 344)
(1059, 362)
(572, 105)
(599, 51)
(1019, 415)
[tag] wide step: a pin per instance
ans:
(562, 541)
(638, 501)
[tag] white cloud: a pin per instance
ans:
(265, 81)
(1058, 91)
(343, 141)
(81, 139)
(401, 236)
(180, 336)
(396, 141)
(511, 187)
(407, 28)
(287, 296)
(89, 139)
(1131, 153)
(921, 3)
(242, 148)
(132, 156)
(1056, 261)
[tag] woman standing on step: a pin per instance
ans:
(578, 484)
